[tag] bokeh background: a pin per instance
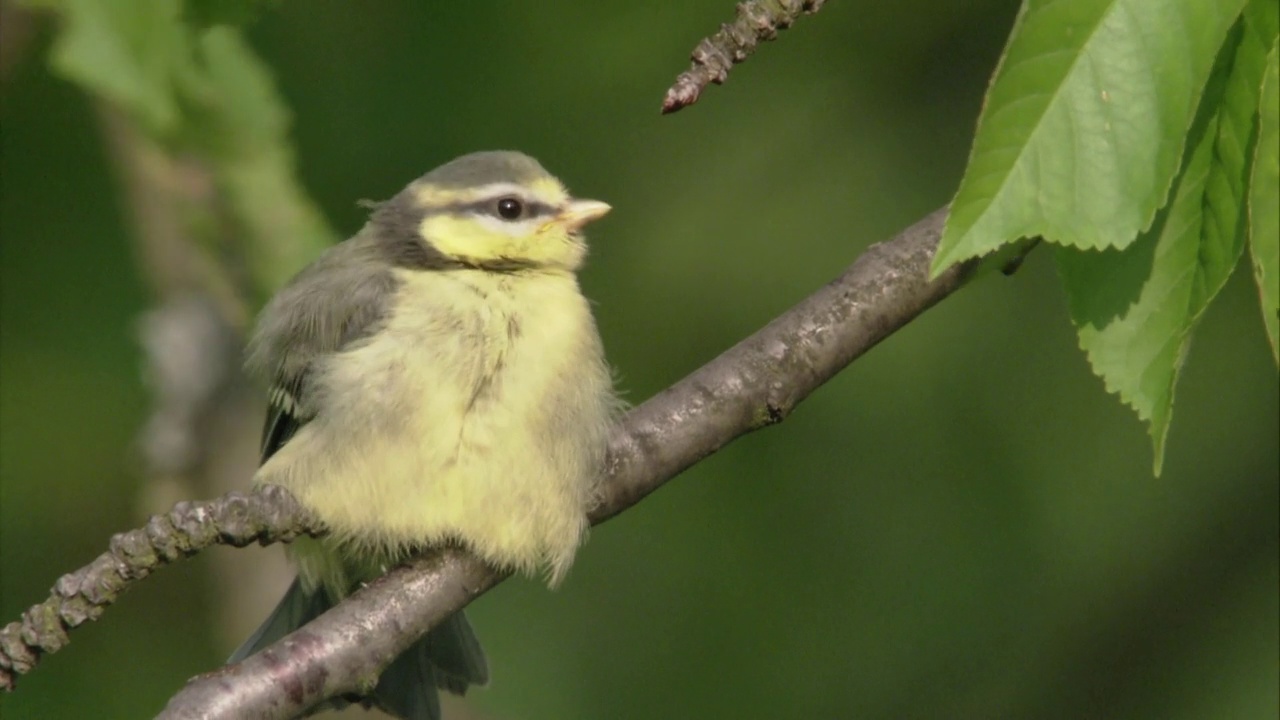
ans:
(963, 524)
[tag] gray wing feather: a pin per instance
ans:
(337, 300)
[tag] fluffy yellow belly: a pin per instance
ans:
(478, 414)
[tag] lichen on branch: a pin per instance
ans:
(268, 515)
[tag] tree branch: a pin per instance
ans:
(757, 21)
(265, 516)
(756, 383)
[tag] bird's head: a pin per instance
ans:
(496, 210)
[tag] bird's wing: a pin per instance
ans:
(283, 419)
(338, 300)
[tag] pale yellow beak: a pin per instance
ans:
(579, 213)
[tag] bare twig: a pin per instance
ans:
(757, 20)
(265, 516)
(754, 384)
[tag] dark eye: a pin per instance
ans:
(510, 208)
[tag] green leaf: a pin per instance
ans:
(125, 52)
(1264, 210)
(1084, 123)
(1136, 308)
(236, 119)
(1233, 151)
(204, 93)
(1131, 306)
(231, 105)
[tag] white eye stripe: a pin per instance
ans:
(502, 189)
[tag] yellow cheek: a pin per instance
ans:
(463, 238)
(467, 239)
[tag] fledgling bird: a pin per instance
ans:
(437, 378)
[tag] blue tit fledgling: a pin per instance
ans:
(437, 378)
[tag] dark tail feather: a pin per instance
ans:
(456, 653)
(296, 608)
(449, 657)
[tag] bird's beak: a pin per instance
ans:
(580, 212)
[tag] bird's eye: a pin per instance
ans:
(510, 208)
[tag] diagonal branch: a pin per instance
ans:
(265, 516)
(756, 383)
(757, 21)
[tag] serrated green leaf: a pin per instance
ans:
(1083, 126)
(1233, 150)
(1264, 209)
(1135, 309)
(1131, 306)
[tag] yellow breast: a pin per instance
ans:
(478, 413)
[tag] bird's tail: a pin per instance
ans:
(449, 657)
(296, 608)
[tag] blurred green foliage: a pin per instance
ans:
(198, 90)
(963, 524)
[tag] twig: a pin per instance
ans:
(754, 384)
(265, 516)
(758, 20)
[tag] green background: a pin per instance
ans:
(963, 524)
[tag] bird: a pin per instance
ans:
(437, 378)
